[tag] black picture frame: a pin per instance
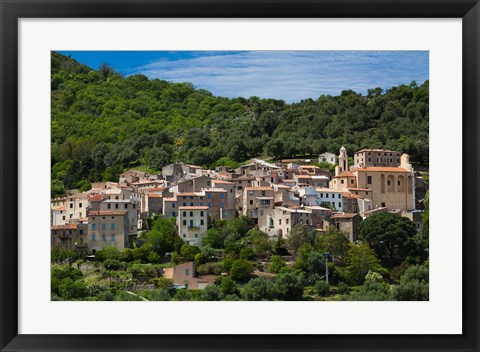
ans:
(11, 11)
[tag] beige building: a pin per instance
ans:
(192, 223)
(59, 215)
(376, 157)
(286, 218)
(185, 276)
(390, 187)
(67, 236)
(254, 198)
(77, 205)
(108, 228)
(348, 224)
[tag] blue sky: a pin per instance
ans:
(288, 75)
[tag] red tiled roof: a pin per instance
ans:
(64, 227)
(345, 174)
(382, 169)
(343, 216)
(97, 198)
(59, 208)
(258, 188)
(107, 212)
(360, 189)
(193, 208)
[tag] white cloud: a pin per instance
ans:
(290, 75)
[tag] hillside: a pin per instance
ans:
(103, 123)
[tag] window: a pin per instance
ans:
(209, 196)
(222, 205)
(351, 181)
(339, 196)
(93, 227)
(112, 226)
(308, 222)
(263, 193)
(184, 204)
(187, 272)
(369, 159)
(174, 214)
(286, 221)
(209, 204)
(184, 222)
(109, 206)
(184, 235)
(116, 197)
(196, 235)
(93, 237)
(202, 222)
(184, 214)
(104, 226)
(342, 182)
(173, 205)
(201, 213)
(112, 237)
(279, 221)
(104, 238)
(369, 180)
(383, 204)
(251, 201)
(191, 223)
(71, 205)
(398, 183)
(184, 197)
(201, 204)
(63, 217)
(326, 195)
(388, 183)
(339, 204)
(191, 213)
(79, 205)
(222, 195)
(126, 206)
(191, 204)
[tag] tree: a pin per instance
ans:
(276, 264)
(359, 260)
(290, 286)
(332, 241)
(260, 289)
(414, 285)
(211, 293)
(299, 235)
(371, 290)
(390, 235)
(163, 237)
(228, 286)
(189, 252)
(241, 270)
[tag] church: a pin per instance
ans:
(383, 176)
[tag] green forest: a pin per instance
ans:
(103, 123)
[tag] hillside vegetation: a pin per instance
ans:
(103, 123)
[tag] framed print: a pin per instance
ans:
(239, 176)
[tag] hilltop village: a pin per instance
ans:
(273, 199)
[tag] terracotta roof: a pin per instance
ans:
(59, 208)
(107, 212)
(187, 194)
(345, 174)
(282, 186)
(350, 195)
(304, 176)
(328, 190)
(378, 150)
(154, 195)
(382, 169)
(173, 199)
(64, 227)
(97, 198)
(344, 216)
(258, 188)
(157, 189)
(360, 189)
(308, 167)
(288, 180)
(193, 208)
(215, 190)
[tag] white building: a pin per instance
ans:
(327, 157)
(192, 223)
